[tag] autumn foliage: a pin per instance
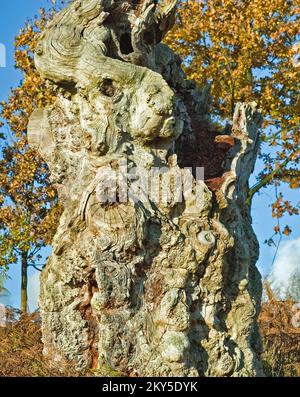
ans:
(247, 51)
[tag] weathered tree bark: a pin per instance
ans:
(149, 287)
(24, 281)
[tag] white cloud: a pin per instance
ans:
(287, 261)
(33, 291)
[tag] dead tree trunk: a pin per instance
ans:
(140, 280)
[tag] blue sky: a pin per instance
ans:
(12, 17)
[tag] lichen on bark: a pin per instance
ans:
(148, 287)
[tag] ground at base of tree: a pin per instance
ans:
(21, 346)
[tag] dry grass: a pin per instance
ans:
(21, 348)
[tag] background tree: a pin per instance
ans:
(28, 205)
(247, 50)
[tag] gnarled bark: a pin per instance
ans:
(149, 287)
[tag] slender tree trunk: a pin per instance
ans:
(24, 282)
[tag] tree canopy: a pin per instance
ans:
(247, 51)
